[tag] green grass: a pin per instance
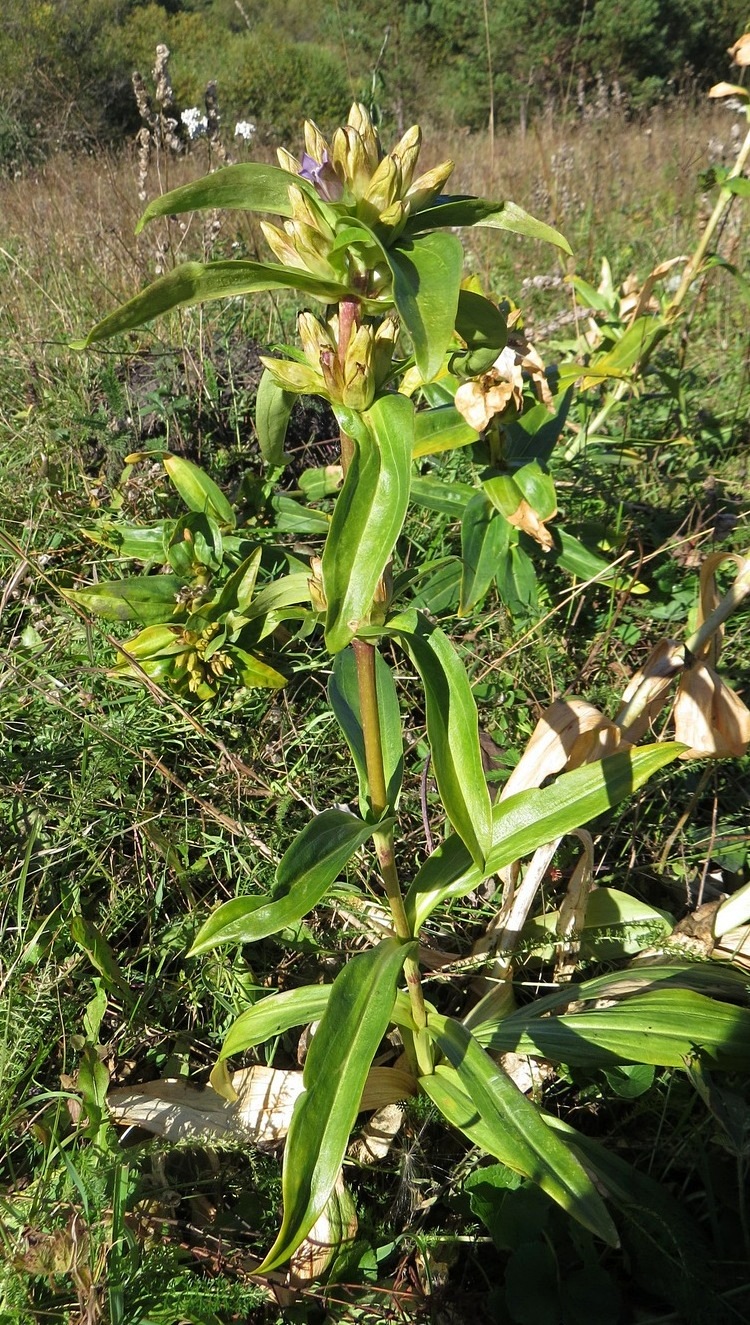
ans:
(139, 816)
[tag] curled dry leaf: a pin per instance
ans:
(709, 717)
(740, 52)
(729, 90)
(377, 1136)
(569, 733)
(336, 1226)
(572, 911)
(256, 1108)
(646, 693)
(259, 1109)
(529, 1074)
(525, 517)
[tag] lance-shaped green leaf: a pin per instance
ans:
(360, 1007)
(426, 282)
(437, 494)
(482, 539)
(480, 323)
(441, 429)
(630, 352)
(276, 1013)
(574, 557)
(368, 516)
(195, 282)
(146, 598)
(660, 1234)
(248, 186)
(664, 1027)
(460, 211)
(452, 730)
(304, 874)
(288, 591)
(237, 592)
(531, 818)
(131, 541)
(512, 1128)
(88, 937)
(343, 694)
(273, 1015)
(273, 407)
(255, 674)
(534, 435)
(198, 491)
(614, 925)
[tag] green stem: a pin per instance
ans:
(723, 202)
(364, 653)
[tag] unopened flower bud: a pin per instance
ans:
(315, 144)
(406, 153)
(427, 186)
(359, 380)
(359, 119)
(287, 161)
(385, 185)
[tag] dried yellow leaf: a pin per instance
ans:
(709, 717)
(740, 52)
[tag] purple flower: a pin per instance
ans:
(322, 176)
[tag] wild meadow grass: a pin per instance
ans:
(137, 816)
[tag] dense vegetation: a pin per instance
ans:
(65, 68)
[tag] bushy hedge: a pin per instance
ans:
(65, 68)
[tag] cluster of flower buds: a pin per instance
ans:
(352, 180)
(379, 189)
(352, 378)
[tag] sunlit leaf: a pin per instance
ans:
(426, 281)
(441, 429)
(452, 729)
(273, 407)
(343, 694)
(512, 1128)
(305, 873)
(248, 186)
(461, 211)
(146, 598)
(368, 517)
(338, 1060)
(195, 282)
(665, 1027)
(528, 820)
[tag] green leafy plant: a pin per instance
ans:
(376, 247)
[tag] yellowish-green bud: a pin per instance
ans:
(359, 119)
(312, 249)
(315, 144)
(394, 217)
(350, 159)
(287, 161)
(305, 212)
(428, 186)
(315, 585)
(359, 379)
(384, 188)
(386, 336)
(406, 153)
(280, 246)
(300, 378)
(314, 338)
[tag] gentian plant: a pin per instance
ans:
(415, 360)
